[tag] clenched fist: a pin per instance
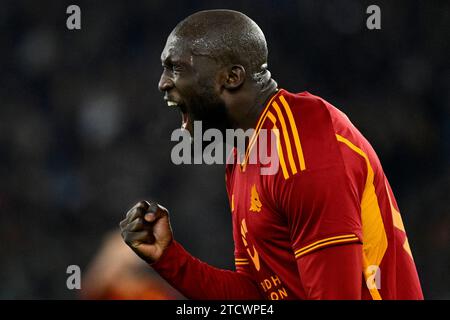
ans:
(146, 229)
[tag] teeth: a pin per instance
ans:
(172, 104)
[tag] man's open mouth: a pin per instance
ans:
(183, 111)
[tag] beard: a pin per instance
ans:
(210, 109)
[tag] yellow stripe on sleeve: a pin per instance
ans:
(241, 259)
(325, 242)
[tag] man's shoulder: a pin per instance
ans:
(302, 97)
(305, 101)
(314, 123)
(306, 128)
(321, 126)
(313, 112)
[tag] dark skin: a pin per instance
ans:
(203, 88)
(184, 78)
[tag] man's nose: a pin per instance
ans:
(165, 83)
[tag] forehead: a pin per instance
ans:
(176, 49)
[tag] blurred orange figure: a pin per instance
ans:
(116, 273)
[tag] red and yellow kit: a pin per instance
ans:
(325, 226)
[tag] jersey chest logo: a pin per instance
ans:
(255, 203)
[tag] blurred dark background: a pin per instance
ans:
(84, 132)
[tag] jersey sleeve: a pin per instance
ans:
(319, 193)
(321, 210)
(332, 274)
(196, 279)
(319, 196)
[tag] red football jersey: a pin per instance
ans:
(325, 225)
(330, 190)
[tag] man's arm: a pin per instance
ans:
(198, 280)
(323, 214)
(333, 273)
(146, 229)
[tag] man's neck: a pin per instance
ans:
(261, 97)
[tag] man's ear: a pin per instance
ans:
(235, 77)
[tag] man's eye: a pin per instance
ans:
(177, 68)
(173, 68)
